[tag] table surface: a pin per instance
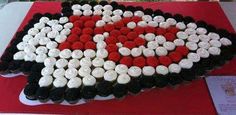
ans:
(184, 99)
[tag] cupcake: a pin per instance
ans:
(147, 78)
(134, 85)
(3, 67)
(88, 90)
(30, 91)
(104, 88)
(45, 85)
(57, 93)
(14, 66)
(174, 76)
(33, 78)
(161, 79)
(72, 93)
(26, 67)
(120, 88)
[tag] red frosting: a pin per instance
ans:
(87, 31)
(126, 20)
(90, 45)
(175, 56)
(122, 38)
(115, 33)
(182, 50)
(152, 61)
(76, 30)
(77, 45)
(98, 30)
(173, 30)
(95, 18)
(85, 18)
(165, 60)
(73, 18)
(139, 30)
(114, 56)
(136, 19)
(111, 40)
(150, 29)
(127, 60)
(85, 38)
(119, 24)
(78, 23)
(109, 27)
(125, 30)
(169, 36)
(160, 31)
(132, 35)
(72, 38)
(139, 41)
(111, 48)
(139, 61)
(89, 24)
(64, 45)
(129, 44)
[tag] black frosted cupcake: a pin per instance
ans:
(88, 90)
(134, 86)
(59, 87)
(120, 89)
(26, 67)
(30, 91)
(45, 85)
(147, 79)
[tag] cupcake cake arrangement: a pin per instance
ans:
(110, 49)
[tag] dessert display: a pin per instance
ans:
(107, 49)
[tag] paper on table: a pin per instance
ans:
(223, 93)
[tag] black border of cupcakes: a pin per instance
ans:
(105, 88)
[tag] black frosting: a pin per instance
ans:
(223, 32)
(43, 93)
(93, 3)
(15, 65)
(114, 4)
(26, 66)
(158, 12)
(72, 94)
(37, 16)
(134, 86)
(34, 77)
(30, 91)
(88, 92)
(48, 15)
(148, 11)
(174, 78)
(201, 23)
(7, 56)
(57, 94)
(211, 28)
(131, 8)
(36, 68)
(147, 81)
(188, 19)
(3, 66)
(167, 15)
(161, 80)
(120, 90)
(140, 8)
(178, 17)
(103, 2)
(187, 74)
(65, 4)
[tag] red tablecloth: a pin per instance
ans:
(192, 98)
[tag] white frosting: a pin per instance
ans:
(19, 55)
(110, 75)
(41, 50)
(131, 25)
(214, 36)
(153, 24)
(121, 69)
(118, 12)
(191, 46)
(60, 82)
(85, 62)
(63, 20)
(148, 52)
(148, 70)
(53, 53)
(201, 31)
(70, 73)
(102, 53)
(124, 51)
(107, 12)
(152, 44)
(106, 18)
(180, 25)
(65, 32)
(171, 21)
(192, 25)
(225, 41)
(100, 23)
(109, 65)
(215, 43)
(50, 62)
(174, 68)
(135, 52)
(128, 14)
(142, 24)
(74, 82)
(193, 38)
(204, 45)
(77, 54)
(45, 81)
(86, 7)
(123, 79)
(52, 45)
(89, 53)
(98, 7)
(160, 39)
(40, 58)
(98, 62)
(73, 63)
(33, 31)
(107, 7)
(27, 37)
(29, 49)
(134, 71)
(159, 19)
(61, 63)
(161, 51)
(116, 18)
(190, 31)
(76, 7)
(186, 63)
(30, 57)
(164, 25)
(21, 45)
(46, 29)
(89, 80)
(68, 25)
(214, 50)
(52, 22)
(59, 73)
(84, 71)
(43, 19)
(55, 29)
(169, 46)
(98, 38)
(98, 72)
(182, 35)
(40, 34)
(194, 57)
(203, 53)
(44, 40)
(87, 12)
(150, 36)
(179, 42)
(204, 38)
(138, 13)
(163, 70)
(66, 53)
(101, 45)
(47, 71)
